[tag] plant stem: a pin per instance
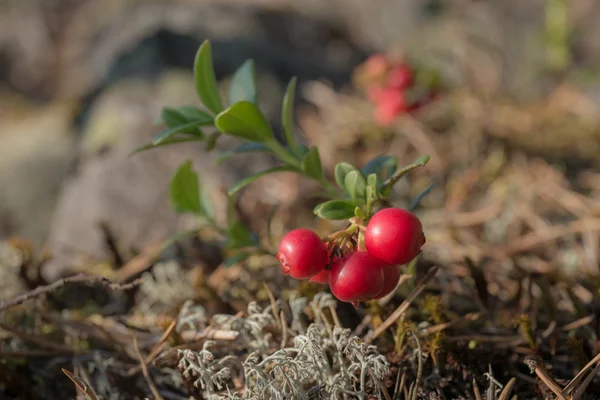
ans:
(282, 153)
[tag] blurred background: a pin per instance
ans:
(513, 182)
(82, 83)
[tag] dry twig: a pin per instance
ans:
(79, 278)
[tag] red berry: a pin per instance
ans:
(322, 277)
(375, 66)
(302, 254)
(391, 103)
(374, 93)
(394, 235)
(356, 277)
(400, 77)
(391, 277)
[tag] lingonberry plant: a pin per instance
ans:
(359, 262)
(396, 87)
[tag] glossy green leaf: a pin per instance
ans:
(240, 236)
(246, 181)
(243, 84)
(191, 114)
(287, 115)
(249, 147)
(384, 166)
(335, 209)
(341, 170)
(204, 79)
(355, 184)
(168, 133)
(246, 121)
(166, 142)
(311, 164)
(185, 190)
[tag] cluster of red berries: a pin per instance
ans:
(390, 86)
(392, 238)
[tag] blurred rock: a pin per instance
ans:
(37, 148)
(130, 194)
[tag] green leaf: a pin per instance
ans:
(341, 170)
(236, 259)
(372, 181)
(240, 236)
(287, 115)
(167, 133)
(204, 79)
(381, 164)
(185, 190)
(249, 147)
(172, 118)
(246, 181)
(355, 184)
(165, 143)
(246, 121)
(191, 114)
(243, 84)
(207, 205)
(335, 209)
(311, 164)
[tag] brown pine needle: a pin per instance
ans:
(543, 375)
(504, 395)
(151, 385)
(81, 384)
(579, 392)
(476, 391)
(569, 388)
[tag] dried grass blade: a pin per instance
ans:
(81, 384)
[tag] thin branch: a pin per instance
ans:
(151, 385)
(79, 278)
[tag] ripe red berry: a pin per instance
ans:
(400, 77)
(302, 254)
(391, 277)
(356, 277)
(391, 103)
(375, 66)
(322, 277)
(395, 236)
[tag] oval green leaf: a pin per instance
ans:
(185, 190)
(287, 115)
(341, 170)
(246, 121)
(249, 147)
(355, 184)
(335, 209)
(167, 142)
(243, 83)
(384, 166)
(311, 164)
(204, 79)
(185, 128)
(246, 181)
